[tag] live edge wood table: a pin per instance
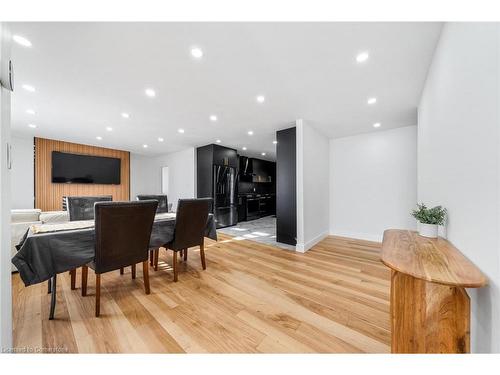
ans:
(430, 309)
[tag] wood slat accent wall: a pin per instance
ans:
(48, 196)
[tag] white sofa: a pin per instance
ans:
(22, 219)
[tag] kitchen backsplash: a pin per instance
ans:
(260, 188)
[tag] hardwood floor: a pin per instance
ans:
(251, 298)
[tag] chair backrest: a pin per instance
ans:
(82, 208)
(122, 233)
(162, 201)
(190, 223)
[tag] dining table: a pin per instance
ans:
(49, 249)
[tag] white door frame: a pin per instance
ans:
(5, 198)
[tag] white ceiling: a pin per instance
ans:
(87, 74)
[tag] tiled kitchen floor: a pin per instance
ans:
(261, 230)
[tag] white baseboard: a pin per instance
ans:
(358, 235)
(302, 248)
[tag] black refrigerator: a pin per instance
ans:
(225, 196)
(217, 173)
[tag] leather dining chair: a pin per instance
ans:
(122, 234)
(190, 225)
(162, 208)
(162, 201)
(82, 208)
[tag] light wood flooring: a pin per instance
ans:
(252, 298)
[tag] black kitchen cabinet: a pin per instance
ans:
(286, 187)
(253, 206)
(242, 208)
(256, 170)
(225, 156)
(262, 170)
(273, 205)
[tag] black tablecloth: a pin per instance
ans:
(41, 256)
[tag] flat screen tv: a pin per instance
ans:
(84, 169)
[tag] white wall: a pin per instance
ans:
(373, 179)
(181, 174)
(312, 186)
(5, 265)
(145, 174)
(22, 173)
(459, 158)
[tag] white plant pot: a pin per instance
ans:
(428, 230)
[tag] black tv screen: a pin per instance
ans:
(84, 169)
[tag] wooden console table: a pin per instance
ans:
(430, 309)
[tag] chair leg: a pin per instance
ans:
(174, 264)
(202, 255)
(49, 284)
(152, 258)
(133, 271)
(145, 275)
(72, 273)
(185, 255)
(85, 271)
(97, 294)
(121, 271)
(156, 256)
(53, 297)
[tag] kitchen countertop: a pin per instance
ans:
(256, 195)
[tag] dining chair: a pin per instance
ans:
(190, 225)
(82, 208)
(162, 201)
(162, 208)
(122, 234)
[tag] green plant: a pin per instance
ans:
(434, 215)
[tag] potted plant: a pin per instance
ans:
(429, 219)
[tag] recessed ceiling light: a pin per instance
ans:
(371, 100)
(362, 57)
(196, 52)
(29, 88)
(275, 142)
(30, 112)
(150, 92)
(126, 115)
(99, 138)
(21, 40)
(263, 154)
(160, 139)
(244, 148)
(261, 99)
(213, 118)
(109, 128)
(180, 131)
(376, 125)
(145, 146)
(32, 126)
(218, 141)
(250, 132)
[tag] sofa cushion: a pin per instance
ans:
(54, 217)
(25, 215)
